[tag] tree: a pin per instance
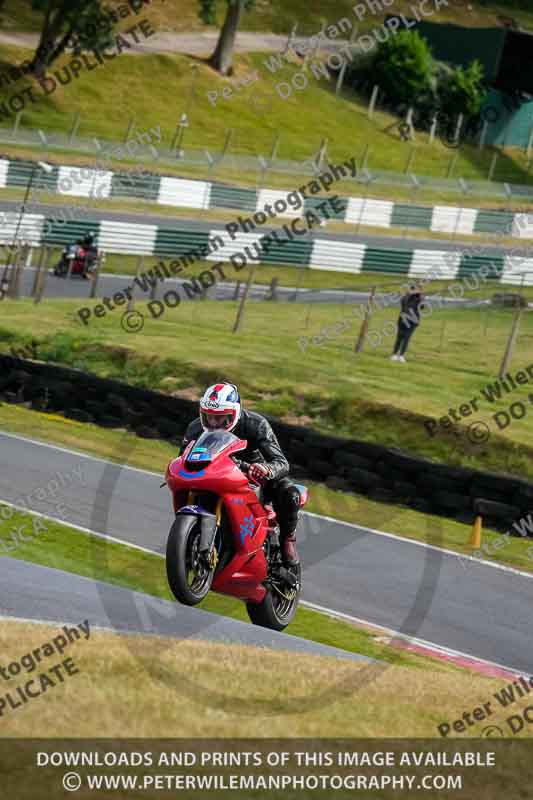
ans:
(403, 66)
(463, 90)
(65, 20)
(222, 58)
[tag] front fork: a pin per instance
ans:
(208, 531)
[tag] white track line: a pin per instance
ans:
(77, 453)
(416, 543)
(411, 639)
(80, 528)
(313, 606)
(105, 628)
(395, 536)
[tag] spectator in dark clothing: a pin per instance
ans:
(408, 322)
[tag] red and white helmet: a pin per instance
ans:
(220, 407)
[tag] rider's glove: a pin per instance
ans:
(259, 473)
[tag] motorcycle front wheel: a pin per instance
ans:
(278, 607)
(188, 575)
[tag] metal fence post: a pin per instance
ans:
(458, 127)
(442, 335)
(410, 160)
(483, 135)
(43, 273)
(511, 341)
(153, 289)
(227, 142)
(272, 293)
(275, 145)
(464, 188)
(409, 122)
(433, 129)
(308, 315)
(416, 187)
(16, 124)
(363, 205)
(131, 299)
(240, 312)
(38, 271)
(529, 144)
(493, 165)
(364, 325)
(75, 126)
(96, 274)
(290, 40)
(451, 165)
(364, 158)
(299, 286)
(131, 126)
(373, 99)
(20, 260)
(342, 71)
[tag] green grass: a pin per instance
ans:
(300, 123)
(452, 357)
(121, 447)
(279, 16)
(61, 547)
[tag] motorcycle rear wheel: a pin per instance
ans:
(276, 610)
(188, 577)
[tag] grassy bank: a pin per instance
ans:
(122, 679)
(155, 687)
(452, 357)
(298, 124)
(278, 17)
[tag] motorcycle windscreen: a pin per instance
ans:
(210, 445)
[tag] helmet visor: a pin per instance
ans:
(216, 420)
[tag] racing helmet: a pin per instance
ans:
(220, 407)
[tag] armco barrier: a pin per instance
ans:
(382, 473)
(196, 194)
(314, 252)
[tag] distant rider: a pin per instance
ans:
(220, 409)
(91, 252)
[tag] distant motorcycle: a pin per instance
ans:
(224, 537)
(77, 259)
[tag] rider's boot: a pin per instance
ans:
(289, 553)
(287, 506)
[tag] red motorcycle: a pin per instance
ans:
(76, 259)
(225, 537)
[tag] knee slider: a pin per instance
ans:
(292, 498)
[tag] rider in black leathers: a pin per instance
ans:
(269, 468)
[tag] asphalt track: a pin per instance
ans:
(110, 283)
(30, 591)
(373, 240)
(422, 591)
